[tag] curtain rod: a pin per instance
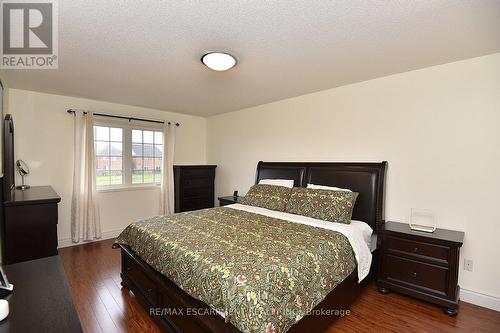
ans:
(123, 117)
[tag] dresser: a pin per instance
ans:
(29, 229)
(41, 300)
(419, 264)
(194, 187)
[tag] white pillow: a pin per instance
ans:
(278, 182)
(330, 188)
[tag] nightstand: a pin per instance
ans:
(419, 264)
(224, 201)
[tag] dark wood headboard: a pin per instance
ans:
(368, 179)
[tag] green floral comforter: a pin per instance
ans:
(264, 273)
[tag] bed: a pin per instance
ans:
(171, 271)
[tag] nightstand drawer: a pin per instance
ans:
(414, 248)
(223, 202)
(415, 273)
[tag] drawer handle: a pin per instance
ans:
(415, 250)
(129, 268)
(414, 274)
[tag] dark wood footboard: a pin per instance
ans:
(176, 311)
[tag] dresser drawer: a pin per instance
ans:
(415, 273)
(178, 314)
(415, 248)
(198, 172)
(189, 204)
(205, 192)
(197, 183)
(141, 280)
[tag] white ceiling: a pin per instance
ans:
(147, 53)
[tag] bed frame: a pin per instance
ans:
(176, 311)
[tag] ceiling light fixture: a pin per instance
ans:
(218, 61)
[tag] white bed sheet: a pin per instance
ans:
(358, 233)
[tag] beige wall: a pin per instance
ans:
(44, 140)
(439, 129)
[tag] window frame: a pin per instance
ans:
(127, 128)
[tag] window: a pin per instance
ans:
(127, 155)
(147, 152)
(108, 149)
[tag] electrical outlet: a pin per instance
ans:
(468, 265)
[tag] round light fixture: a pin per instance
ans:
(218, 61)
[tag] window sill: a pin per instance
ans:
(128, 188)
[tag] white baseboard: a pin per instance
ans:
(486, 301)
(105, 235)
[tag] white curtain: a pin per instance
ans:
(167, 176)
(85, 222)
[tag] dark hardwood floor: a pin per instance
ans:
(93, 272)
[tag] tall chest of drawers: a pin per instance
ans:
(194, 187)
(421, 265)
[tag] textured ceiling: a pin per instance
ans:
(147, 53)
